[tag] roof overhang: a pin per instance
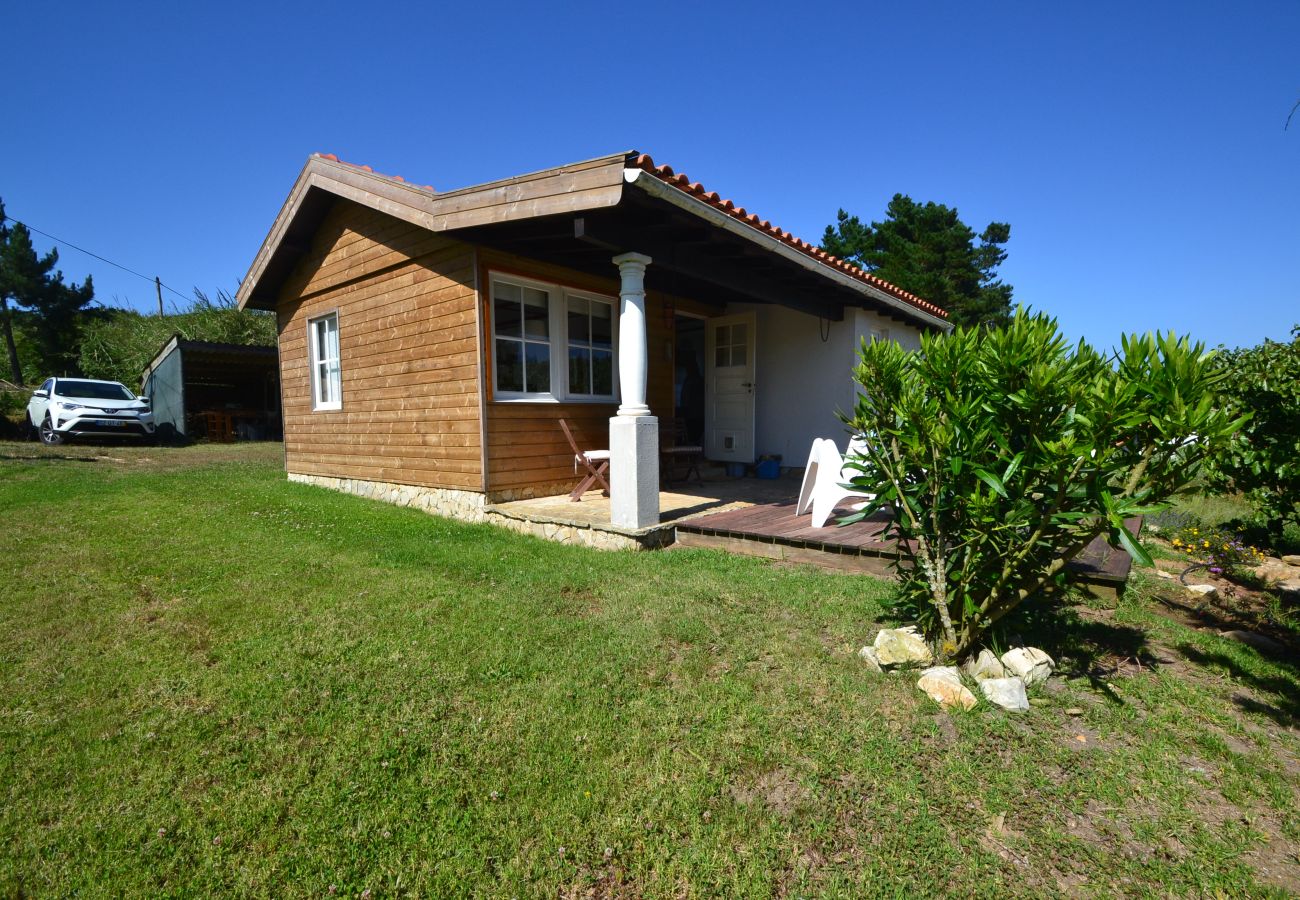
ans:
(593, 184)
(572, 215)
(213, 351)
(646, 182)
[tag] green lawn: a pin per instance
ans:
(213, 681)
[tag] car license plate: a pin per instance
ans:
(110, 422)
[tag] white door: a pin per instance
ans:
(729, 388)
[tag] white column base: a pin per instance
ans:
(634, 471)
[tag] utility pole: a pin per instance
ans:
(157, 283)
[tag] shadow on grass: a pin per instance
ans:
(49, 457)
(1283, 691)
(1239, 612)
(1093, 648)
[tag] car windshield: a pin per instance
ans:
(92, 390)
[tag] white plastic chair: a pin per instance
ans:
(824, 480)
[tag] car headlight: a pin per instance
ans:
(70, 407)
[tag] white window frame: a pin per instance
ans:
(314, 356)
(558, 338)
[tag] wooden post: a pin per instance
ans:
(157, 283)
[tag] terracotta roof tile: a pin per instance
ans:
(679, 180)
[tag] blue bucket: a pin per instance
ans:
(735, 470)
(769, 468)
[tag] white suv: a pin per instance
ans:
(62, 408)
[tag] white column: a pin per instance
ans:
(633, 432)
(633, 353)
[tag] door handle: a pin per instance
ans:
(747, 384)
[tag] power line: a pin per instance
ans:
(96, 255)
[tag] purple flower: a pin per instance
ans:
(1215, 570)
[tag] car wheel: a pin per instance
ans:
(50, 437)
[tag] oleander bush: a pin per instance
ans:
(1004, 453)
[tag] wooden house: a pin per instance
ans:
(431, 341)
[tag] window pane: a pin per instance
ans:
(738, 355)
(602, 372)
(721, 356)
(579, 323)
(536, 318)
(602, 324)
(318, 332)
(538, 364)
(323, 393)
(510, 371)
(506, 310)
(335, 381)
(739, 334)
(332, 338)
(579, 370)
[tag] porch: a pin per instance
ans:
(756, 517)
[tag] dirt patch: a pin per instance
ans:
(1000, 839)
(1275, 860)
(947, 729)
(583, 602)
(777, 790)
(601, 883)
(1233, 607)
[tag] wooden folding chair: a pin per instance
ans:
(596, 462)
(676, 450)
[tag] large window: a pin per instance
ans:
(591, 347)
(326, 376)
(551, 343)
(522, 318)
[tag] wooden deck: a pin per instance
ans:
(773, 530)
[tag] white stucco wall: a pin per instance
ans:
(801, 381)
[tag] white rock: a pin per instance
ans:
(1207, 590)
(1161, 573)
(984, 666)
(1008, 693)
(901, 646)
(943, 684)
(1291, 559)
(1029, 663)
(868, 655)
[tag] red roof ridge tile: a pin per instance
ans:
(397, 178)
(680, 181)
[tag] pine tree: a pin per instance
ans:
(56, 307)
(59, 310)
(928, 250)
(23, 278)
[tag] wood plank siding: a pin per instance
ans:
(527, 453)
(408, 348)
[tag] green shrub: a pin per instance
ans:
(1263, 458)
(13, 410)
(1004, 453)
(118, 346)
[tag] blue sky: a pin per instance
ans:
(1137, 149)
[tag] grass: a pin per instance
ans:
(213, 681)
